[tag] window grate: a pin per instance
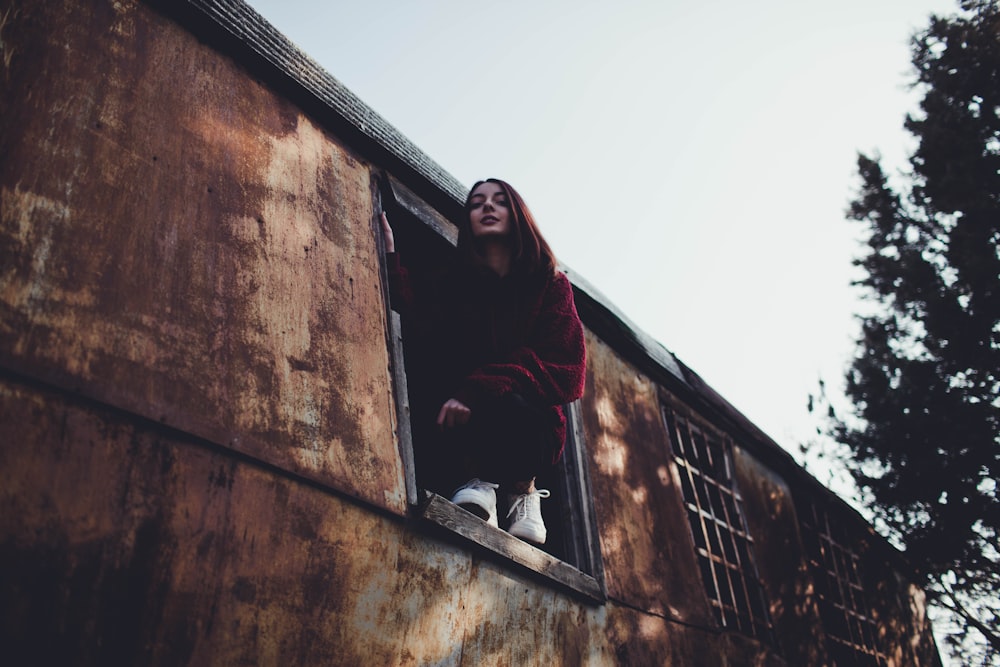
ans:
(723, 544)
(844, 609)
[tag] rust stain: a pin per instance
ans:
(184, 556)
(192, 248)
(645, 541)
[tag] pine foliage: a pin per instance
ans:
(924, 385)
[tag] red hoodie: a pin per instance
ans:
(482, 336)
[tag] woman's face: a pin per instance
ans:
(489, 211)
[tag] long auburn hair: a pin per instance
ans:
(530, 254)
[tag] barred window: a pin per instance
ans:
(723, 543)
(851, 631)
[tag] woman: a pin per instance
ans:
(503, 348)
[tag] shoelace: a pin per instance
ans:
(520, 505)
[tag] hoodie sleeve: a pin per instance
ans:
(550, 369)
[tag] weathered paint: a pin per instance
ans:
(192, 247)
(183, 555)
(646, 544)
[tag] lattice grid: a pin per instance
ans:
(848, 622)
(724, 545)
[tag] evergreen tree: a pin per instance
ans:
(924, 433)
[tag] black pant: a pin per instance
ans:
(505, 441)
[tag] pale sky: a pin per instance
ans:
(691, 160)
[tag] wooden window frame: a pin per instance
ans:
(582, 571)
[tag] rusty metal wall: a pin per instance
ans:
(788, 585)
(899, 607)
(128, 544)
(645, 541)
(902, 607)
(648, 550)
(181, 242)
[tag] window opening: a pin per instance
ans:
(722, 541)
(837, 573)
(426, 245)
(569, 514)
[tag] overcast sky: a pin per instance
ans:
(691, 160)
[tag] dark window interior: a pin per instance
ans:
(836, 570)
(426, 253)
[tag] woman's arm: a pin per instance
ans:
(550, 368)
(390, 240)
(400, 286)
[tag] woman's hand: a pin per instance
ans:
(390, 242)
(453, 413)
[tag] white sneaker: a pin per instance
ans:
(527, 523)
(478, 497)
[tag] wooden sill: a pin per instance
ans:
(454, 519)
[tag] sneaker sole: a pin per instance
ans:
(478, 510)
(532, 538)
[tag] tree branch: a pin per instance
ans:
(952, 602)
